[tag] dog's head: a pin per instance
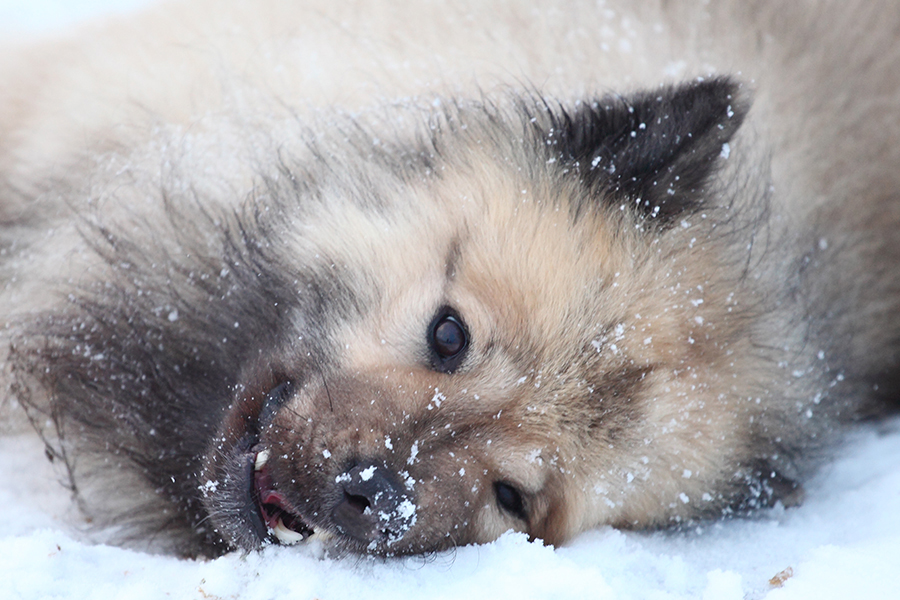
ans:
(521, 323)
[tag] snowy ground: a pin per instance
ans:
(31, 17)
(844, 542)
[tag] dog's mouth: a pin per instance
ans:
(279, 519)
(282, 521)
(240, 491)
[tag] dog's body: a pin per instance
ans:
(404, 277)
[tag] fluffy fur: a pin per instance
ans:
(398, 278)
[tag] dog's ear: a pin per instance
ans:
(654, 151)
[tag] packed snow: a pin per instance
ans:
(31, 17)
(842, 542)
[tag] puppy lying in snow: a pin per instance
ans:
(403, 276)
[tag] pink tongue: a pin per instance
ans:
(270, 501)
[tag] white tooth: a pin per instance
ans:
(320, 535)
(285, 535)
(261, 459)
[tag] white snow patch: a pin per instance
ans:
(841, 543)
(436, 400)
(209, 487)
(407, 509)
(413, 453)
(723, 585)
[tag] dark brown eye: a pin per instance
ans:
(510, 500)
(449, 337)
(448, 340)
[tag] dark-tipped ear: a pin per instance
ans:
(654, 151)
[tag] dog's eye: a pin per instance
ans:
(448, 339)
(510, 500)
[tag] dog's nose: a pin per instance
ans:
(375, 507)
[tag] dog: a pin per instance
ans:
(398, 277)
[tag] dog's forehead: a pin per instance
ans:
(501, 248)
(523, 255)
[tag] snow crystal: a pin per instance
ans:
(436, 400)
(413, 453)
(209, 487)
(407, 510)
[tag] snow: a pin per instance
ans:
(44, 16)
(843, 542)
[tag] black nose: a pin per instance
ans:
(375, 507)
